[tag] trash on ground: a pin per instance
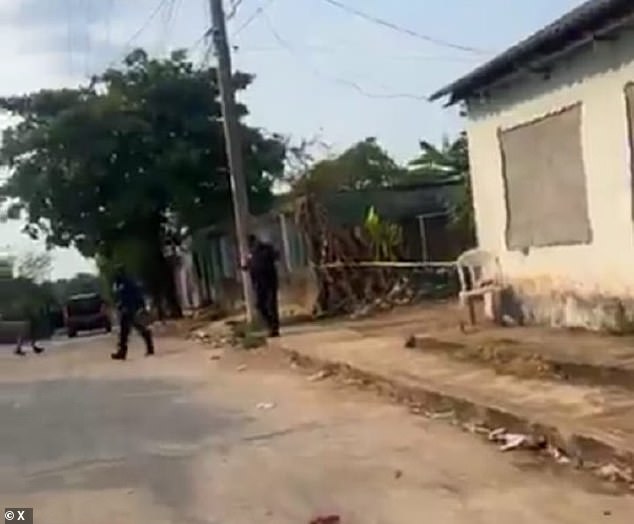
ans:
(320, 375)
(241, 367)
(479, 429)
(265, 405)
(615, 473)
(559, 456)
(513, 441)
(442, 414)
(329, 519)
(497, 434)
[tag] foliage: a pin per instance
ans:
(80, 284)
(364, 165)
(35, 266)
(136, 158)
(450, 161)
(385, 237)
(301, 156)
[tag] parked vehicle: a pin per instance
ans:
(86, 313)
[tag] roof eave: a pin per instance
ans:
(528, 52)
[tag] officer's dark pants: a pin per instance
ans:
(266, 303)
(127, 321)
(30, 333)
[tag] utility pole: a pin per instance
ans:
(234, 145)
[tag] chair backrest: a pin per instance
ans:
(480, 265)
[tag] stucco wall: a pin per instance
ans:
(565, 285)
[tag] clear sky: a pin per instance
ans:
(319, 70)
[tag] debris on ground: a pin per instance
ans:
(241, 368)
(329, 519)
(230, 333)
(398, 474)
(265, 405)
(616, 473)
(557, 454)
(513, 441)
(320, 375)
(411, 342)
(442, 415)
(479, 429)
(496, 434)
(417, 410)
(218, 334)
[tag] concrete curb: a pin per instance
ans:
(550, 366)
(585, 450)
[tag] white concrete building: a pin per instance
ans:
(551, 136)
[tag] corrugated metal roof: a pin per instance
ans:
(581, 24)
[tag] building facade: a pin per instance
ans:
(551, 139)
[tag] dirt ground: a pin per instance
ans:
(197, 435)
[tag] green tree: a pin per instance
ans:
(449, 161)
(79, 284)
(364, 165)
(35, 266)
(136, 158)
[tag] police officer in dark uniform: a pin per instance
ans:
(261, 265)
(130, 304)
(30, 331)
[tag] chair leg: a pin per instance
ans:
(472, 312)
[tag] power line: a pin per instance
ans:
(153, 14)
(329, 49)
(404, 30)
(69, 35)
(258, 12)
(338, 80)
(234, 9)
(171, 12)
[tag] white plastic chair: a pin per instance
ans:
(485, 279)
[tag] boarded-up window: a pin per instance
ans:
(629, 99)
(545, 180)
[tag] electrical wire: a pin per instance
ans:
(153, 14)
(147, 22)
(258, 12)
(170, 14)
(332, 49)
(403, 30)
(338, 80)
(87, 42)
(69, 35)
(234, 9)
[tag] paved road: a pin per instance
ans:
(62, 342)
(181, 439)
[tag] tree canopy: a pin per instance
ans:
(449, 161)
(137, 157)
(363, 165)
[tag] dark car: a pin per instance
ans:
(86, 313)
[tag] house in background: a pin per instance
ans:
(551, 136)
(207, 269)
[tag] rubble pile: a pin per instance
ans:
(218, 334)
(351, 279)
